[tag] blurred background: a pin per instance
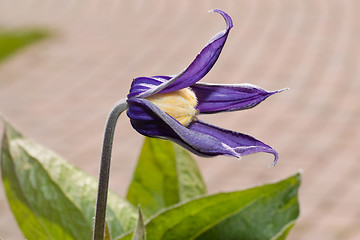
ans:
(75, 59)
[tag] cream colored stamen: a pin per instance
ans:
(179, 104)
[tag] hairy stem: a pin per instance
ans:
(100, 211)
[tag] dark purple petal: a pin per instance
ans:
(201, 138)
(213, 98)
(205, 60)
(142, 84)
(150, 121)
(242, 144)
(202, 64)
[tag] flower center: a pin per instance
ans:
(178, 104)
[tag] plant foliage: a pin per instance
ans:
(52, 199)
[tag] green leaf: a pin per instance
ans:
(107, 232)
(52, 199)
(140, 233)
(264, 213)
(284, 232)
(165, 175)
(12, 41)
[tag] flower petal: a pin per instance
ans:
(143, 84)
(200, 138)
(202, 64)
(213, 98)
(241, 143)
(149, 120)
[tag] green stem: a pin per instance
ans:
(100, 211)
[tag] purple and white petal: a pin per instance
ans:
(213, 98)
(201, 138)
(143, 84)
(150, 121)
(241, 143)
(202, 64)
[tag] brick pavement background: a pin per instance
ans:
(59, 91)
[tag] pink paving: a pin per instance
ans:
(59, 91)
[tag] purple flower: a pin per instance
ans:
(167, 106)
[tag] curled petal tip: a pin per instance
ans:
(228, 20)
(281, 90)
(276, 157)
